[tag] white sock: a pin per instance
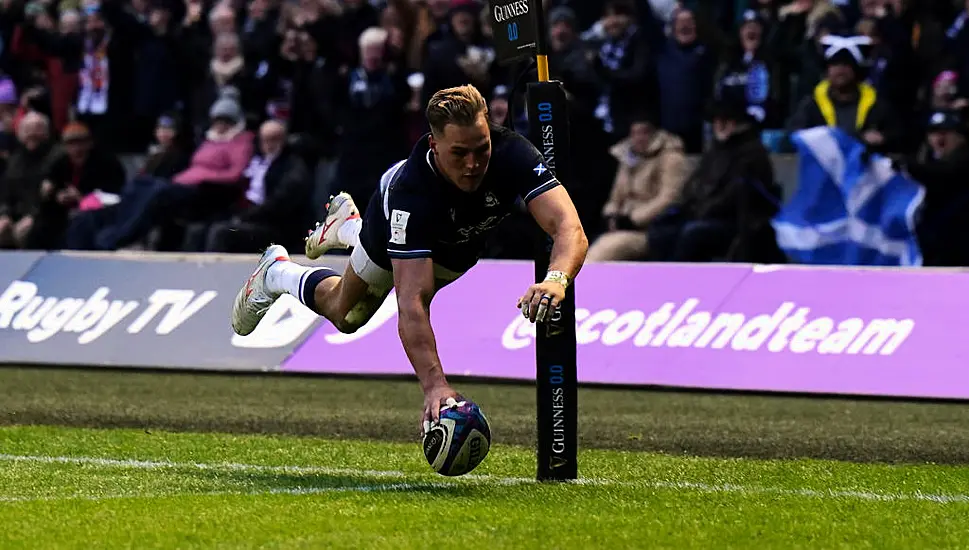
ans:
(286, 277)
(349, 232)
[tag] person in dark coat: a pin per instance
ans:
(84, 169)
(941, 166)
(625, 69)
(371, 103)
(156, 73)
(729, 199)
(20, 185)
(685, 67)
(462, 56)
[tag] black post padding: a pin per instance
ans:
(555, 347)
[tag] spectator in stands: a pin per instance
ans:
(208, 190)
(272, 82)
(166, 158)
(941, 166)
(226, 69)
(462, 56)
(728, 202)
(893, 72)
(498, 106)
(569, 59)
(845, 101)
(652, 169)
(20, 185)
(82, 173)
(942, 94)
(624, 67)
(434, 24)
(802, 26)
(155, 76)
(313, 115)
(356, 17)
(278, 196)
(258, 31)
(34, 42)
(371, 101)
(588, 15)
(171, 152)
(105, 78)
(685, 67)
(749, 63)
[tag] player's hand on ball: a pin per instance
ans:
(541, 301)
(435, 398)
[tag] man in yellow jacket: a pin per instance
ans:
(844, 100)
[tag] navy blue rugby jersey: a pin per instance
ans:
(417, 213)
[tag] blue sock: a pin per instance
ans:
(309, 282)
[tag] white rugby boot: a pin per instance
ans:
(326, 237)
(254, 299)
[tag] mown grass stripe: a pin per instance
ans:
(276, 491)
(673, 485)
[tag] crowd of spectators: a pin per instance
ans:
(223, 125)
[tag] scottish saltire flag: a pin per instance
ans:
(849, 209)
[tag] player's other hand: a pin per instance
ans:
(541, 300)
(435, 397)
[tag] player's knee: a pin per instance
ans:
(347, 327)
(359, 314)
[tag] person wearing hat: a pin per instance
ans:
(728, 201)
(843, 100)
(941, 166)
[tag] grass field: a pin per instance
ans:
(195, 461)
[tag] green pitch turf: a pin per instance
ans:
(81, 488)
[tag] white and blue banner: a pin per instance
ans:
(850, 208)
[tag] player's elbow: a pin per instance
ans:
(570, 231)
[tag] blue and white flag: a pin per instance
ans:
(849, 209)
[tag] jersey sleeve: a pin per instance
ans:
(410, 225)
(529, 170)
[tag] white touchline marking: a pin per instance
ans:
(391, 487)
(831, 493)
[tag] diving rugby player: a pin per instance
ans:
(425, 226)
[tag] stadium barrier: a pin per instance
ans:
(879, 332)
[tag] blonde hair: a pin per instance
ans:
(461, 106)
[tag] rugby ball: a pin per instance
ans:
(460, 441)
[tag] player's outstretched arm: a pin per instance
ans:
(556, 215)
(414, 281)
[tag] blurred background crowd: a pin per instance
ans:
(224, 125)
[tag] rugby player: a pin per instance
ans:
(424, 227)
